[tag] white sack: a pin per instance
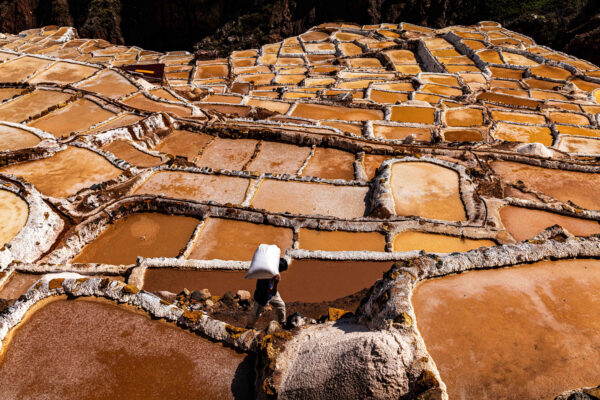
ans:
(265, 263)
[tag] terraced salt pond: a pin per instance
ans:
(579, 145)
(127, 152)
(330, 164)
(526, 332)
(108, 83)
(31, 104)
(311, 198)
(19, 69)
(14, 211)
(140, 234)
(231, 154)
(66, 345)
(66, 172)
(64, 73)
(581, 188)
(305, 280)
(200, 187)
(77, 116)
(184, 143)
(16, 139)
(524, 223)
(436, 243)
(311, 239)
(117, 122)
(227, 239)
(279, 158)
(17, 284)
(427, 190)
(524, 133)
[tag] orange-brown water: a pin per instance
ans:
(528, 332)
(7, 93)
(64, 73)
(279, 158)
(464, 117)
(77, 116)
(330, 164)
(315, 111)
(305, 280)
(462, 135)
(13, 214)
(199, 187)
(311, 198)
(125, 151)
(110, 84)
(581, 188)
(548, 71)
(522, 133)
(524, 223)
(217, 282)
(579, 145)
(401, 132)
(228, 239)
(231, 154)
(371, 163)
(141, 234)
(66, 172)
(86, 349)
(420, 115)
(144, 103)
(17, 284)
(183, 143)
(16, 139)
(311, 239)
(427, 190)
(30, 105)
(18, 70)
(436, 243)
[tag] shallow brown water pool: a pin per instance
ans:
(86, 349)
(529, 332)
(306, 280)
(141, 234)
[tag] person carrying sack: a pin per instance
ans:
(266, 293)
(266, 267)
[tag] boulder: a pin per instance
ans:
(200, 295)
(243, 295)
(343, 360)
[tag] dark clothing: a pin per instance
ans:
(265, 290)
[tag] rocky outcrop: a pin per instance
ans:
(580, 394)
(347, 360)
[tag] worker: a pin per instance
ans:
(266, 293)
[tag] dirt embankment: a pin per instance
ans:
(226, 25)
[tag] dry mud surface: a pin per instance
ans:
(404, 171)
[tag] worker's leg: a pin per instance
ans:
(254, 314)
(279, 306)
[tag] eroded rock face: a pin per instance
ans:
(343, 359)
